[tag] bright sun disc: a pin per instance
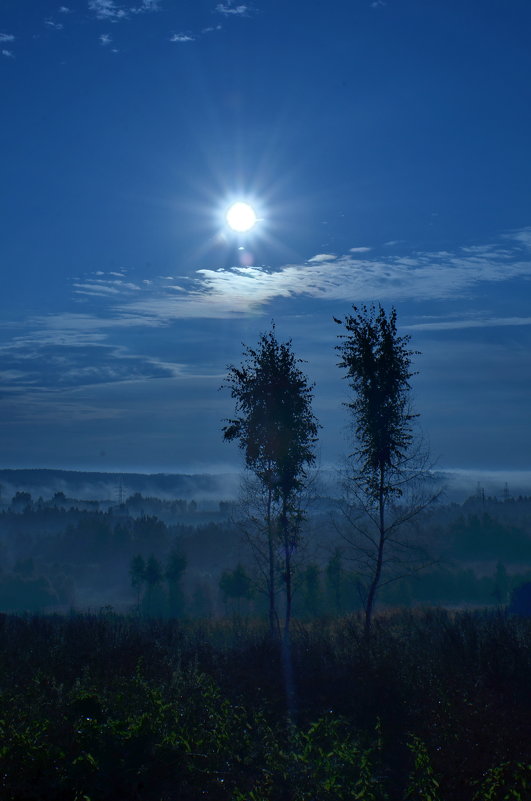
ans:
(241, 217)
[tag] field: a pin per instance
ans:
(436, 707)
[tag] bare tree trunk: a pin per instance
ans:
(287, 661)
(373, 587)
(284, 523)
(289, 592)
(271, 555)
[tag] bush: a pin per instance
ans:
(436, 708)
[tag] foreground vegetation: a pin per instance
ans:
(437, 707)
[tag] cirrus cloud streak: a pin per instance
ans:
(93, 346)
(440, 275)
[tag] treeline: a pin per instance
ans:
(88, 563)
(321, 592)
(59, 558)
(484, 536)
(135, 505)
(85, 561)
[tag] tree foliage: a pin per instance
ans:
(175, 567)
(386, 460)
(236, 585)
(275, 427)
(274, 423)
(378, 367)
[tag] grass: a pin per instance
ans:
(436, 708)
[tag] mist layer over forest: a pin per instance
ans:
(63, 548)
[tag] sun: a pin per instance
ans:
(241, 217)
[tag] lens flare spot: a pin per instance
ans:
(246, 258)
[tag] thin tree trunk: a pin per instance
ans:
(287, 661)
(289, 593)
(271, 553)
(371, 595)
(287, 566)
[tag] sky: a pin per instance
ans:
(385, 149)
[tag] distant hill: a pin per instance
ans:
(101, 486)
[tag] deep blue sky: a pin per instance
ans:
(386, 148)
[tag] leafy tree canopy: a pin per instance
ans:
(274, 422)
(378, 367)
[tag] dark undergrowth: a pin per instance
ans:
(98, 707)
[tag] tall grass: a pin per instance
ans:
(437, 707)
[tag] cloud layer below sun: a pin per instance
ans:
(352, 277)
(94, 345)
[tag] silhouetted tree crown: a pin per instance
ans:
(236, 583)
(137, 571)
(153, 572)
(274, 422)
(277, 430)
(175, 566)
(378, 365)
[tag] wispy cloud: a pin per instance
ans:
(67, 350)
(55, 407)
(146, 6)
(70, 349)
(359, 250)
(522, 236)
(50, 364)
(105, 39)
(420, 276)
(64, 10)
(7, 37)
(112, 11)
(470, 322)
(242, 291)
(181, 37)
(319, 257)
(230, 9)
(107, 9)
(57, 26)
(105, 286)
(8, 53)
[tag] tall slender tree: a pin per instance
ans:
(175, 567)
(236, 585)
(137, 571)
(386, 467)
(153, 598)
(275, 427)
